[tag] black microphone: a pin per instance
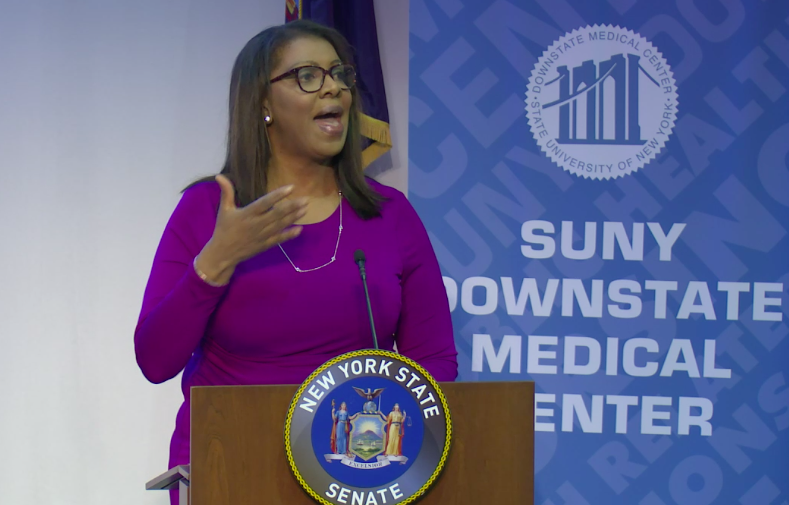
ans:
(359, 258)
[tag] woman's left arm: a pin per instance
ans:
(424, 331)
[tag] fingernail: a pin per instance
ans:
(289, 188)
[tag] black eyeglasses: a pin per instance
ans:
(311, 78)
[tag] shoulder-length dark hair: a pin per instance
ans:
(248, 149)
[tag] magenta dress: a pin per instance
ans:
(273, 325)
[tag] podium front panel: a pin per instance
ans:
(238, 446)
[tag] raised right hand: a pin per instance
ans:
(241, 233)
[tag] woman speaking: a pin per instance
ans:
(254, 280)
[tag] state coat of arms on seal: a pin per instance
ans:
(373, 437)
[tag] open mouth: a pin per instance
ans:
(330, 121)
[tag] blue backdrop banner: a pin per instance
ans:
(605, 184)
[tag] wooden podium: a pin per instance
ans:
(238, 447)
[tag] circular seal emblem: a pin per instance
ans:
(369, 427)
(601, 102)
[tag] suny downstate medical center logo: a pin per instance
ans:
(601, 102)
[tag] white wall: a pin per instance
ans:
(392, 25)
(107, 109)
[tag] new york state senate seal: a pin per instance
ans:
(369, 427)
